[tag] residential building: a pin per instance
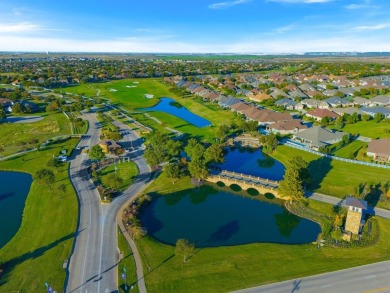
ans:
(316, 137)
(318, 114)
(379, 149)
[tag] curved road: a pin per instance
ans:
(94, 262)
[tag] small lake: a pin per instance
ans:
(253, 162)
(172, 107)
(211, 217)
(14, 188)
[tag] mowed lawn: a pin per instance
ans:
(369, 129)
(133, 98)
(126, 171)
(36, 253)
(18, 136)
(128, 264)
(351, 150)
(333, 177)
(223, 269)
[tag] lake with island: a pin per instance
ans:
(172, 107)
(14, 188)
(252, 162)
(212, 217)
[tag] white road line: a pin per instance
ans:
(326, 286)
(368, 277)
(87, 231)
(101, 249)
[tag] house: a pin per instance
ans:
(374, 110)
(311, 103)
(348, 110)
(337, 102)
(318, 114)
(316, 137)
(362, 101)
(286, 103)
(356, 209)
(297, 94)
(109, 146)
(227, 101)
(379, 150)
(323, 105)
(381, 100)
(287, 126)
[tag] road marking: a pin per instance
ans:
(373, 276)
(101, 244)
(326, 286)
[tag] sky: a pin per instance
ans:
(195, 26)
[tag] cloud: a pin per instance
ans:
(19, 27)
(285, 28)
(221, 5)
(301, 1)
(372, 27)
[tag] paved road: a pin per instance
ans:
(337, 201)
(94, 262)
(367, 279)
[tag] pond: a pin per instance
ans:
(210, 217)
(253, 162)
(14, 188)
(172, 107)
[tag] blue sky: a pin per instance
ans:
(195, 26)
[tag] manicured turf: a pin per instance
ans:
(333, 177)
(351, 150)
(369, 129)
(127, 171)
(225, 269)
(133, 99)
(128, 263)
(17, 136)
(36, 253)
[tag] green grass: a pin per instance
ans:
(45, 238)
(133, 99)
(333, 177)
(369, 129)
(351, 150)
(128, 263)
(223, 269)
(127, 171)
(17, 136)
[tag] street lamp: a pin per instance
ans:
(124, 277)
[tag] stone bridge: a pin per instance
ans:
(245, 181)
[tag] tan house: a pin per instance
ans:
(379, 150)
(318, 114)
(286, 126)
(356, 208)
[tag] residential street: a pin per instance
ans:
(93, 264)
(369, 278)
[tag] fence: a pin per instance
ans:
(306, 149)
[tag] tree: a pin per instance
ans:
(339, 123)
(214, 154)
(137, 232)
(325, 121)
(295, 177)
(161, 148)
(96, 152)
(184, 248)
(270, 142)
(198, 169)
(2, 113)
(45, 176)
(194, 149)
(378, 117)
(366, 117)
(112, 181)
(172, 171)
(17, 108)
(222, 132)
